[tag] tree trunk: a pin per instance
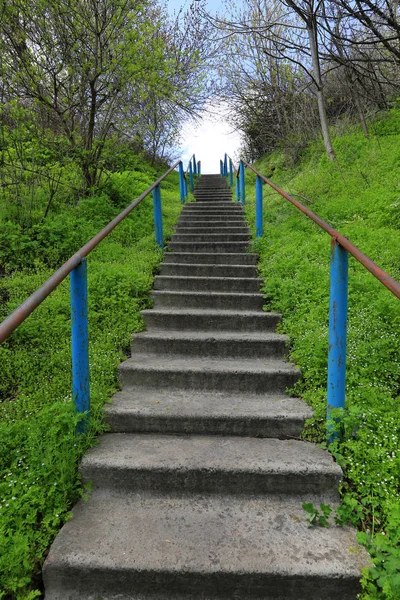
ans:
(312, 35)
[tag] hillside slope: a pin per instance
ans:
(39, 451)
(360, 196)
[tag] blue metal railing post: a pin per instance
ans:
(225, 165)
(259, 206)
(199, 167)
(242, 184)
(230, 173)
(237, 190)
(158, 228)
(182, 182)
(221, 167)
(191, 176)
(80, 343)
(194, 165)
(337, 330)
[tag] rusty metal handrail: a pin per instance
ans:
(76, 267)
(341, 247)
(26, 308)
(389, 282)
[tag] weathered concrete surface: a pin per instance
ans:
(234, 547)
(140, 409)
(235, 465)
(218, 300)
(226, 258)
(208, 319)
(244, 375)
(221, 344)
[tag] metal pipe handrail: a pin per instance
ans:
(341, 247)
(389, 282)
(26, 308)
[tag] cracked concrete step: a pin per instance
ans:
(216, 300)
(212, 247)
(182, 411)
(223, 344)
(224, 284)
(210, 320)
(211, 464)
(244, 375)
(204, 270)
(219, 258)
(200, 545)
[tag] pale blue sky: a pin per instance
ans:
(210, 139)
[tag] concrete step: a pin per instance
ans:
(212, 198)
(211, 464)
(215, 211)
(220, 258)
(222, 344)
(215, 300)
(212, 247)
(198, 284)
(205, 221)
(210, 237)
(122, 544)
(183, 411)
(212, 229)
(210, 320)
(244, 375)
(213, 207)
(204, 270)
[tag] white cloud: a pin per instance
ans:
(209, 140)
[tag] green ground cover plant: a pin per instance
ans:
(39, 451)
(359, 195)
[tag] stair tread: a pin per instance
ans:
(212, 312)
(209, 453)
(207, 293)
(205, 534)
(210, 365)
(237, 336)
(203, 278)
(206, 404)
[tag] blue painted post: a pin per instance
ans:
(181, 182)
(230, 173)
(225, 166)
(191, 176)
(80, 343)
(221, 167)
(194, 165)
(337, 331)
(259, 206)
(237, 190)
(158, 228)
(242, 184)
(199, 167)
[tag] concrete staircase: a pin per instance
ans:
(198, 487)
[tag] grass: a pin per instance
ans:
(359, 195)
(40, 452)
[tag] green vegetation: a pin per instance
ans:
(39, 451)
(359, 195)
